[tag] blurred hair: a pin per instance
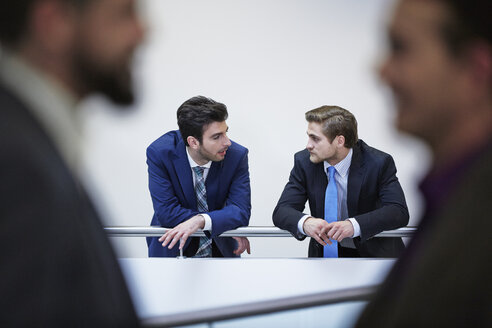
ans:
(196, 113)
(469, 21)
(335, 121)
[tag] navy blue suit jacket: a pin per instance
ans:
(374, 198)
(173, 194)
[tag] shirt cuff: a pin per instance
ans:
(208, 222)
(301, 223)
(356, 226)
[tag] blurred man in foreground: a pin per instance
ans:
(57, 267)
(440, 71)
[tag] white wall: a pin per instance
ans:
(269, 62)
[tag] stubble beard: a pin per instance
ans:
(314, 159)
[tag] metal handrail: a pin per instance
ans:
(251, 231)
(263, 307)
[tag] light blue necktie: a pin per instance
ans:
(205, 246)
(331, 210)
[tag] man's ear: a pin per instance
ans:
(52, 27)
(479, 64)
(340, 141)
(193, 142)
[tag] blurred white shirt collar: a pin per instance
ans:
(49, 101)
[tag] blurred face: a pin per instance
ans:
(108, 32)
(320, 148)
(214, 142)
(423, 77)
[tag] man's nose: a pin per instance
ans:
(384, 69)
(227, 141)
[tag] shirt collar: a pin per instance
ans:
(441, 181)
(193, 163)
(50, 102)
(343, 166)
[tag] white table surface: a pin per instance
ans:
(165, 286)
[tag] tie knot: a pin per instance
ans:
(331, 171)
(198, 171)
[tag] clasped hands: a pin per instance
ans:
(323, 231)
(185, 229)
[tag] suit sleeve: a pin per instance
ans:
(289, 208)
(392, 212)
(167, 207)
(237, 209)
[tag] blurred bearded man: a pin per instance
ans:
(57, 266)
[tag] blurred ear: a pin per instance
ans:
(52, 26)
(479, 64)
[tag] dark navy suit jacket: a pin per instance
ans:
(57, 268)
(374, 198)
(173, 194)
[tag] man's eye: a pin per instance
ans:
(397, 46)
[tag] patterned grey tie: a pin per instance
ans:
(205, 248)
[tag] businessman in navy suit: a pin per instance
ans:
(172, 159)
(370, 199)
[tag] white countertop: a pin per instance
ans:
(167, 286)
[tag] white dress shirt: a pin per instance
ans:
(341, 178)
(208, 220)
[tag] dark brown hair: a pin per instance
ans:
(335, 121)
(469, 21)
(196, 113)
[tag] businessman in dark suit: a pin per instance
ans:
(439, 69)
(178, 161)
(369, 197)
(57, 268)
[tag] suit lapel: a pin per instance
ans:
(183, 171)
(320, 183)
(355, 179)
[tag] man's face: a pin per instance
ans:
(423, 77)
(320, 148)
(108, 33)
(214, 142)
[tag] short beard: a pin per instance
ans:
(206, 157)
(113, 82)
